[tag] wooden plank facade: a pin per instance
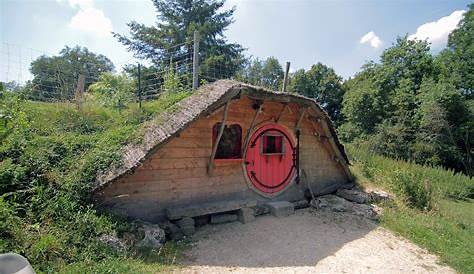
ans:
(177, 173)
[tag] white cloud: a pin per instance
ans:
(372, 39)
(89, 18)
(437, 32)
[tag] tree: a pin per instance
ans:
(324, 85)
(267, 73)
(458, 57)
(408, 106)
(172, 36)
(272, 73)
(55, 78)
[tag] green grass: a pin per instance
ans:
(164, 260)
(50, 154)
(443, 223)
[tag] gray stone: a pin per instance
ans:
(281, 209)
(246, 215)
(333, 203)
(187, 226)
(154, 236)
(223, 218)
(379, 196)
(113, 242)
(338, 204)
(353, 195)
(172, 231)
(301, 204)
(15, 263)
(261, 210)
(207, 208)
(186, 221)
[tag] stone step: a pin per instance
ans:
(281, 209)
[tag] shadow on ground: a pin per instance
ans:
(302, 239)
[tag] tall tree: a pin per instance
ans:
(55, 77)
(458, 57)
(324, 85)
(267, 73)
(172, 36)
(408, 106)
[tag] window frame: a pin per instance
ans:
(234, 158)
(283, 148)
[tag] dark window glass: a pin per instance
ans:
(272, 144)
(230, 145)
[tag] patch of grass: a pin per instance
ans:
(163, 260)
(439, 217)
(50, 155)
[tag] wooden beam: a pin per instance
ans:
(250, 129)
(210, 165)
(281, 113)
(300, 119)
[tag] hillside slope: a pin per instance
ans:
(50, 155)
(433, 207)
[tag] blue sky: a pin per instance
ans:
(341, 34)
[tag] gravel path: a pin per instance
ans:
(307, 242)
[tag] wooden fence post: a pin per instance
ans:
(139, 91)
(80, 91)
(196, 60)
(285, 77)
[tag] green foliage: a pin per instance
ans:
(50, 156)
(113, 90)
(324, 85)
(433, 207)
(407, 107)
(458, 58)
(172, 81)
(395, 174)
(268, 73)
(56, 77)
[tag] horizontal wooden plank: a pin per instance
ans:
(181, 173)
(157, 164)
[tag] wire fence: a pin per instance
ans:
(180, 67)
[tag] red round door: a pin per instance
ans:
(270, 159)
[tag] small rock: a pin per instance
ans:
(223, 218)
(261, 210)
(154, 236)
(353, 195)
(172, 231)
(379, 196)
(184, 222)
(113, 242)
(338, 204)
(301, 204)
(246, 215)
(333, 203)
(187, 226)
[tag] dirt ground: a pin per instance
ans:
(309, 241)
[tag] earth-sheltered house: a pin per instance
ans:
(228, 145)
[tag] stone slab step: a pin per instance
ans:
(281, 209)
(200, 209)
